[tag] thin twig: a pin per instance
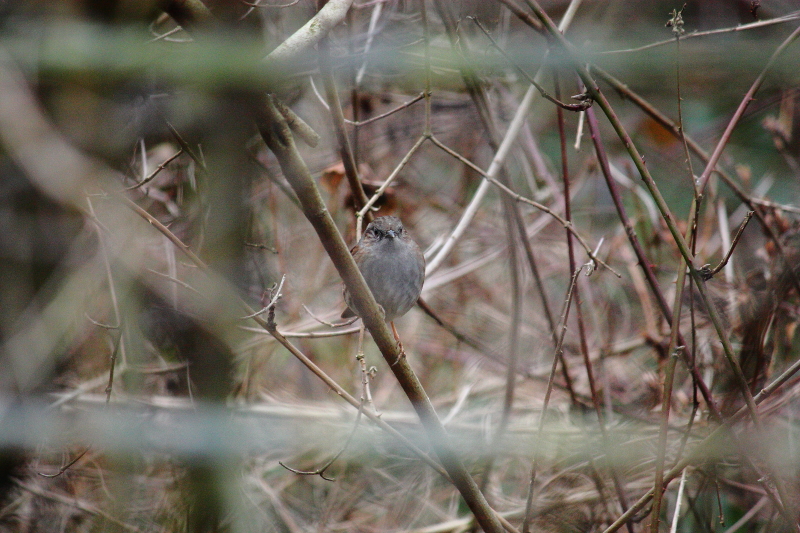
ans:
(373, 23)
(321, 470)
(361, 123)
(744, 27)
(349, 321)
(546, 401)
(403, 162)
(307, 334)
(185, 146)
(678, 500)
(158, 169)
(584, 105)
(275, 295)
(259, 4)
(676, 23)
(708, 274)
(337, 116)
(66, 466)
(519, 198)
(748, 97)
(100, 324)
(174, 280)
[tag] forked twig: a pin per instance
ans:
(321, 470)
(275, 295)
(707, 273)
(582, 106)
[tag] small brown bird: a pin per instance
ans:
(392, 265)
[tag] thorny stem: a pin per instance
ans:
(158, 169)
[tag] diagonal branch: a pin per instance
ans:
(279, 139)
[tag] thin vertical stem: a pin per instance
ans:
(427, 54)
(666, 402)
(686, 154)
(337, 115)
(578, 310)
(546, 402)
(355, 78)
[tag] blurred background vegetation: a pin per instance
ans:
(136, 396)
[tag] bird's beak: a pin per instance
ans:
(391, 233)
